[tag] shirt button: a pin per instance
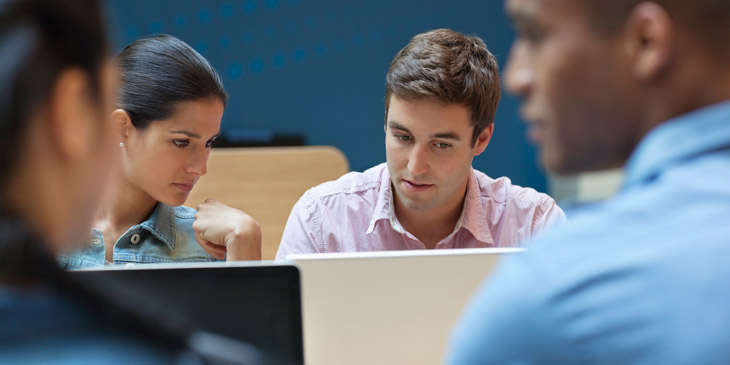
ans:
(96, 242)
(134, 239)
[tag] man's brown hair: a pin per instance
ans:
(449, 67)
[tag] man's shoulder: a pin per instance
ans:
(353, 185)
(637, 228)
(615, 252)
(502, 191)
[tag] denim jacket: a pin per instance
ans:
(167, 236)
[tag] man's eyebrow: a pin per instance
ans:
(396, 125)
(522, 19)
(448, 135)
(187, 133)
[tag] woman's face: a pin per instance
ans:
(167, 158)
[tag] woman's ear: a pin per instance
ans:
(123, 124)
(483, 140)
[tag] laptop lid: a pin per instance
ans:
(257, 303)
(393, 307)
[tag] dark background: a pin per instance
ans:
(317, 67)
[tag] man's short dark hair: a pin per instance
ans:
(449, 67)
(708, 19)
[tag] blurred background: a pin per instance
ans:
(313, 71)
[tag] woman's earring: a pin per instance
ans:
(121, 144)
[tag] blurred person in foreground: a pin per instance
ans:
(57, 89)
(641, 277)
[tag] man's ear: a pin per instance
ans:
(122, 124)
(72, 116)
(483, 140)
(649, 39)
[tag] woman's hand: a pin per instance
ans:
(227, 233)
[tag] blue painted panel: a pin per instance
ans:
(317, 67)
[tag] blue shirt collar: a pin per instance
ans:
(161, 224)
(679, 139)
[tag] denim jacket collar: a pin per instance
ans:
(161, 224)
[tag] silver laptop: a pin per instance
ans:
(394, 307)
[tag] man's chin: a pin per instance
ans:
(562, 165)
(418, 206)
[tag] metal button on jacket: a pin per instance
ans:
(134, 239)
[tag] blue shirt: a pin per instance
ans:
(166, 236)
(640, 278)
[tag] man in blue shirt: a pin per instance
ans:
(642, 277)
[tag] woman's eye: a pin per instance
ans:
(181, 142)
(210, 143)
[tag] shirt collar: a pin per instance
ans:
(679, 139)
(383, 204)
(161, 224)
(473, 216)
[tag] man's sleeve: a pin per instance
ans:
(301, 231)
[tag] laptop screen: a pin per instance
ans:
(257, 304)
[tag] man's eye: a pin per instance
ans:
(181, 142)
(403, 138)
(442, 145)
(210, 143)
(532, 36)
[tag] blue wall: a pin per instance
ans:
(317, 67)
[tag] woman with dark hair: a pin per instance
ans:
(57, 88)
(167, 118)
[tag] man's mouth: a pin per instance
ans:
(536, 132)
(536, 127)
(415, 186)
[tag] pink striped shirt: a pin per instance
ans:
(355, 213)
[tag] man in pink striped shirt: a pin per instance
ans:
(442, 92)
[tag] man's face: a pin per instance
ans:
(574, 84)
(429, 152)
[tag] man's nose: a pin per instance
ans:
(418, 160)
(519, 75)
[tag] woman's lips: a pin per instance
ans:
(415, 187)
(184, 187)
